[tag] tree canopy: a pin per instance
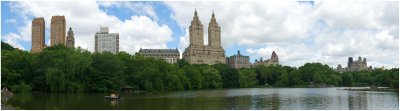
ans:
(60, 69)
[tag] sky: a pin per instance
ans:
(299, 32)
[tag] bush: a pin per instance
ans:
(21, 88)
(394, 84)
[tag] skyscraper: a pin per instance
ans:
(38, 34)
(57, 31)
(70, 38)
(105, 41)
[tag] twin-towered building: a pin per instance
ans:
(359, 65)
(197, 52)
(57, 33)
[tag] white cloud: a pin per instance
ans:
(85, 18)
(145, 8)
(326, 32)
(12, 38)
(183, 42)
(11, 21)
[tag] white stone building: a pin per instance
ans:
(105, 41)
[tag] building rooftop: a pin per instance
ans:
(158, 50)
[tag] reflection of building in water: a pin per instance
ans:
(358, 102)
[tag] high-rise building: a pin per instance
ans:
(38, 35)
(70, 38)
(169, 55)
(57, 30)
(239, 61)
(105, 41)
(197, 52)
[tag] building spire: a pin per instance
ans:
(213, 15)
(195, 12)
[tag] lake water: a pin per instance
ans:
(243, 98)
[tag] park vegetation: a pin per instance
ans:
(59, 69)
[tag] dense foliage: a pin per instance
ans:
(60, 69)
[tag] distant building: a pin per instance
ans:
(105, 41)
(70, 38)
(197, 52)
(169, 55)
(38, 35)
(57, 30)
(239, 61)
(273, 61)
(359, 65)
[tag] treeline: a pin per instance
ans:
(60, 69)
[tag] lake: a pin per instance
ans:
(242, 98)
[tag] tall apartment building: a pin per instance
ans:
(38, 35)
(57, 30)
(105, 41)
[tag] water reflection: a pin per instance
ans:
(246, 98)
(114, 102)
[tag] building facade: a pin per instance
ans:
(359, 65)
(274, 60)
(70, 38)
(105, 41)
(197, 52)
(239, 61)
(38, 35)
(57, 30)
(170, 55)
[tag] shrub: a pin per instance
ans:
(21, 88)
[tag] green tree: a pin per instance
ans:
(212, 78)
(247, 78)
(229, 75)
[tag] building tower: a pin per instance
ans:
(350, 62)
(57, 30)
(38, 35)
(70, 38)
(274, 58)
(214, 32)
(196, 32)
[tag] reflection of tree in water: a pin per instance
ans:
(358, 102)
(238, 102)
(315, 101)
(270, 101)
(22, 99)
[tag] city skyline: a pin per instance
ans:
(299, 32)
